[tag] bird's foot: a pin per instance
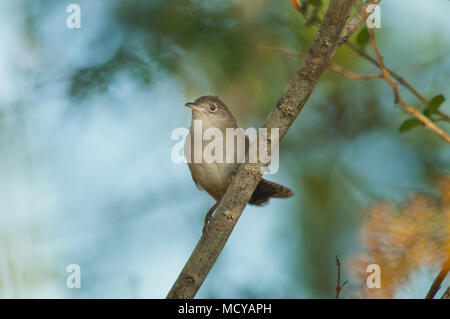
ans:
(233, 174)
(205, 226)
(208, 219)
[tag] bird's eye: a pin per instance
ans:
(213, 107)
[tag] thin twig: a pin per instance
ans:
(446, 294)
(362, 53)
(333, 66)
(439, 279)
(359, 18)
(400, 79)
(339, 286)
(353, 76)
(358, 77)
(396, 76)
(444, 116)
(398, 100)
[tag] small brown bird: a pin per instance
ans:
(215, 177)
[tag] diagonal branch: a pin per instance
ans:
(398, 99)
(361, 16)
(446, 294)
(438, 281)
(387, 72)
(333, 66)
(354, 24)
(396, 76)
(248, 175)
(400, 79)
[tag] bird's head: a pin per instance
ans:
(212, 109)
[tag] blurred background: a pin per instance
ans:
(86, 178)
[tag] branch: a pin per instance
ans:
(353, 76)
(354, 24)
(446, 294)
(339, 286)
(438, 281)
(248, 175)
(362, 16)
(333, 66)
(394, 75)
(398, 100)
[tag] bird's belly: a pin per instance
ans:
(214, 177)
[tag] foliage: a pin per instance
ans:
(431, 111)
(216, 41)
(401, 240)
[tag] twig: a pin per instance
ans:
(446, 294)
(396, 76)
(333, 66)
(398, 100)
(248, 175)
(360, 17)
(362, 53)
(439, 279)
(339, 286)
(353, 76)
(400, 79)
(357, 77)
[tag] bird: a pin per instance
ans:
(215, 177)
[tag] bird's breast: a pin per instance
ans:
(212, 177)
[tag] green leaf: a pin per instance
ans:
(435, 103)
(316, 3)
(363, 37)
(409, 124)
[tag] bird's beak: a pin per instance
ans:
(193, 106)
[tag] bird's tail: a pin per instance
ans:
(267, 189)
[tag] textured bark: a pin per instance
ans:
(356, 21)
(330, 36)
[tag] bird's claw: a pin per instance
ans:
(205, 226)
